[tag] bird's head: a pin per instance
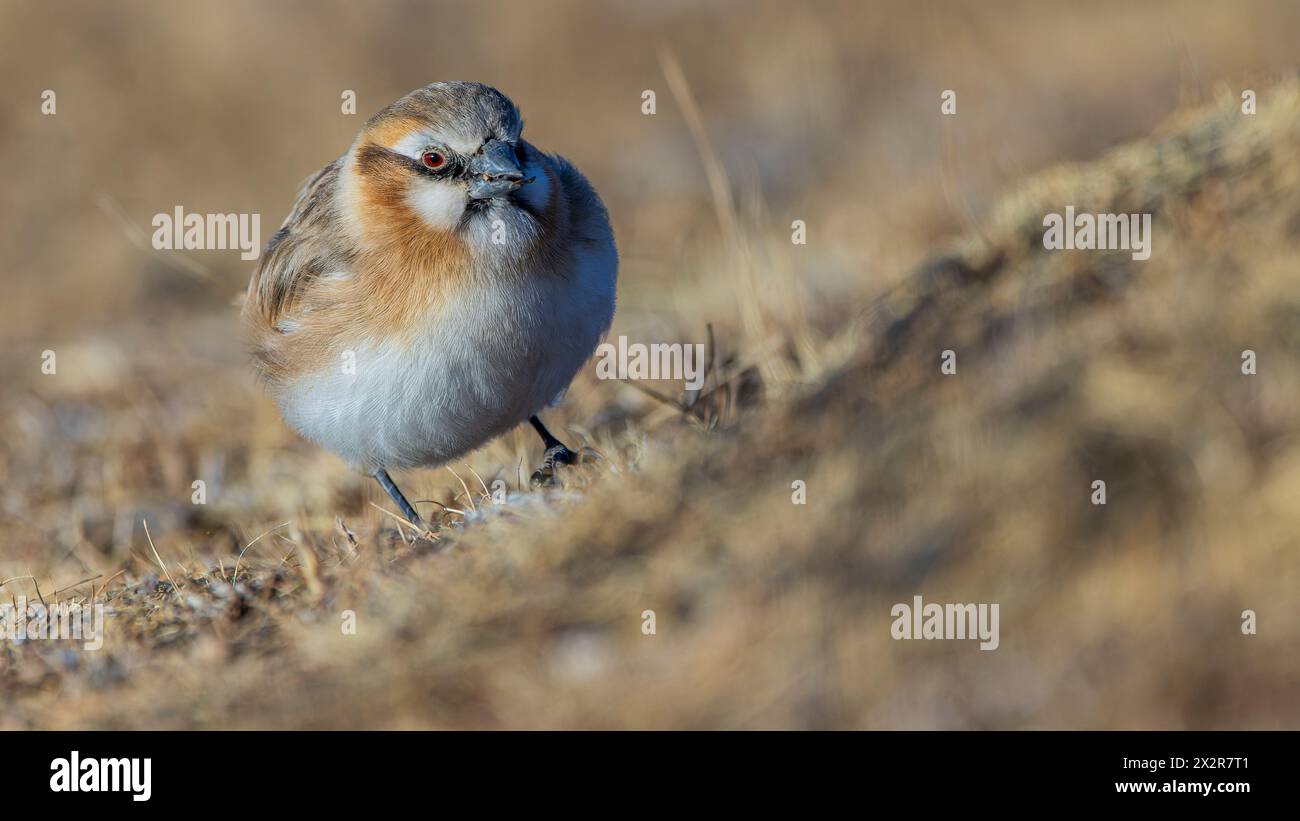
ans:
(449, 159)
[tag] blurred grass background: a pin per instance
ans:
(770, 615)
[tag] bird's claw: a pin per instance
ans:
(544, 476)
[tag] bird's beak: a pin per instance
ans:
(494, 171)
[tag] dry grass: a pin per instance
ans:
(1072, 366)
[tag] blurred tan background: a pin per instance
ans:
(826, 112)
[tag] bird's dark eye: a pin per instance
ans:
(433, 159)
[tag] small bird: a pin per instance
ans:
(438, 284)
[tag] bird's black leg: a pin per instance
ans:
(408, 512)
(556, 454)
(548, 438)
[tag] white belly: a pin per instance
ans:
(480, 365)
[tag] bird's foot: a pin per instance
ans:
(544, 476)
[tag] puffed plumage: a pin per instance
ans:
(404, 314)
